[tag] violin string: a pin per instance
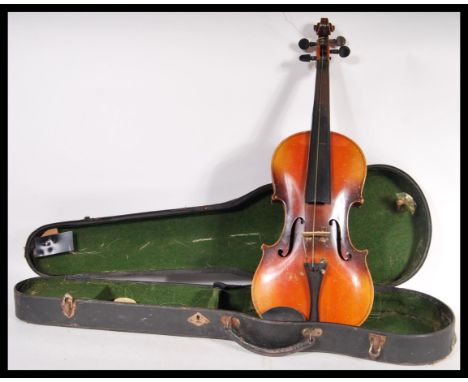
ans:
(317, 157)
(292, 23)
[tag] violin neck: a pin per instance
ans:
(318, 172)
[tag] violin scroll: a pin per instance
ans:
(323, 44)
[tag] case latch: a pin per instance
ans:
(68, 305)
(377, 342)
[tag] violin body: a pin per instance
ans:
(281, 280)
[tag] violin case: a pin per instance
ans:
(85, 265)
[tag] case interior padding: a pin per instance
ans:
(395, 311)
(230, 238)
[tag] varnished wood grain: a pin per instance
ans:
(347, 293)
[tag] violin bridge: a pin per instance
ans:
(316, 234)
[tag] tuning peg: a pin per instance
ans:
(340, 41)
(307, 58)
(304, 44)
(344, 51)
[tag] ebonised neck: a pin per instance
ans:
(318, 172)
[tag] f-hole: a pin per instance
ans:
(292, 237)
(348, 255)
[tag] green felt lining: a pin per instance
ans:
(397, 241)
(178, 295)
(395, 311)
(198, 241)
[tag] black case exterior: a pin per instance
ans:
(273, 338)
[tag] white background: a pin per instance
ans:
(115, 113)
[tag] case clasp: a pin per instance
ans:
(68, 305)
(377, 342)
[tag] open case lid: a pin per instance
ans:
(394, 224)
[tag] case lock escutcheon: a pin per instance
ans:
(376, 342)
(198, 319)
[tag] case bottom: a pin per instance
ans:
(404, 326)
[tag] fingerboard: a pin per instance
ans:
(318, 168)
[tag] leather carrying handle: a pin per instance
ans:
(231, 323)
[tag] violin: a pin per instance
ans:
(313, 272)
